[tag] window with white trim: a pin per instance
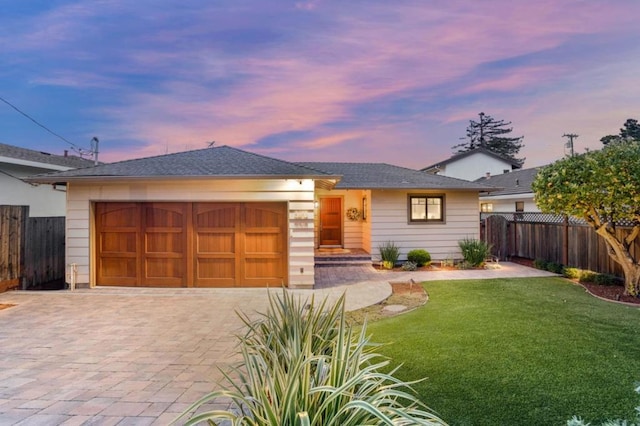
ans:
(426, 208)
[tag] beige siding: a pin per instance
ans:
(352, 230)
(389, 222)
(298, 193)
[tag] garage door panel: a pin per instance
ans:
(164, 216)
(263, 243)
(119, 242)
(164, 267)
(164, 242)
(215, 243)
(217, 216)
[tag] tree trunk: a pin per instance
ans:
(619, 252)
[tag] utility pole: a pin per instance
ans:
(569, 143)
(94, 149)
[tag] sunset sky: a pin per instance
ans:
(375, 81)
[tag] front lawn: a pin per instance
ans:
(526, 351)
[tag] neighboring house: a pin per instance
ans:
(472, 165)
(226, 217)
(514, 193)
(43, 200)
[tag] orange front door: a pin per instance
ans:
(330, 221)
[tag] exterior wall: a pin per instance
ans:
(353, 232)
(389, 222)
(474, 167)
(42, 200)
(507, 203)
(298, 194)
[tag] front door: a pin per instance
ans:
(330, 221)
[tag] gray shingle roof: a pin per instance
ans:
(17, 152)
(223, 161)
(516, 182)
(386, 176)
(456, 157)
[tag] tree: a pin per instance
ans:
(629, 132)
(493, 135)
(603, 188)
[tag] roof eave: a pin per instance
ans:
(61, 179)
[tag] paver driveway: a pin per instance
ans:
(140, 356)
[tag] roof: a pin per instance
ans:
(386, 176)
(70, 161)
(516, 182)
(220, 162)
(512, 162)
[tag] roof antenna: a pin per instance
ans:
(211, 144)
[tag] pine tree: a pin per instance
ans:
(628, 133)
(493, 135)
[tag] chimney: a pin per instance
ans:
(66, 153)
(487, 175)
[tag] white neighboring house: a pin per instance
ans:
(514, 192)
(43, 200)
(472, 165)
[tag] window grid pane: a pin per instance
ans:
(424, 209)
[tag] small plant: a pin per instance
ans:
(540, 264)
(464, 265)
(571, 273)
(409, 266)
(554, 267)
(474, 251)
(389, 253)
(302, 364)
(419, 256)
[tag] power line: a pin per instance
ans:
(38, 123)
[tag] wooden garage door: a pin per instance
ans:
(191, 244)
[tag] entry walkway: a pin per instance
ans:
(128, 356)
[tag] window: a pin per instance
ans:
(486, 207)
(426, 208)
(519, 206)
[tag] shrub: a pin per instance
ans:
(474, 251)
(588, 276)
(554, 267)
(606, 279)
(540, 264)
(303, 365)
(419, 257)
(389, 253)
(571, 273)
(409, 266)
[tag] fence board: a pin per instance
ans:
(31, 249)
(553, 239)
(12, 225)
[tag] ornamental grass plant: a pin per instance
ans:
(303, 365)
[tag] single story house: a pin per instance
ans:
(473, 164)
(18, 163)
(226, 217)
(514, 193)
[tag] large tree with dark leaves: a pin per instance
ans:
(494, 135)
(630, 132)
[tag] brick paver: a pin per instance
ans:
(128, 356)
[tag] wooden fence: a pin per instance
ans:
(31, 249)
(551, 238)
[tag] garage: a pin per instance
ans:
(201, 244)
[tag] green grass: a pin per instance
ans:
(527, 351)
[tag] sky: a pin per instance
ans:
(363, 81)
